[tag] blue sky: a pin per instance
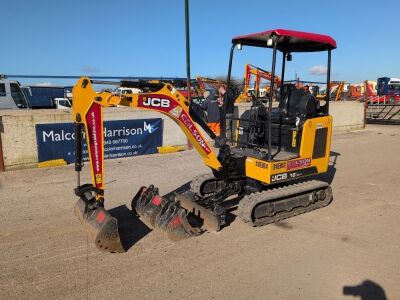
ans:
(146, 37)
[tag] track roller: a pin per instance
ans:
(274, 205)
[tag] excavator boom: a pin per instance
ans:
(87, 109)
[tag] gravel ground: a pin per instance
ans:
(349, 247)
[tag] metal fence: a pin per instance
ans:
(380, 110)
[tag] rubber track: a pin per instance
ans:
(248, 203)
(196, 183)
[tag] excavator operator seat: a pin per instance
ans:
(296, 103)
(295, 107)
(308, 107)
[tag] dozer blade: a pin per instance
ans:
(211, 221)
(101, 227)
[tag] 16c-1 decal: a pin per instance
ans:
(293, 174)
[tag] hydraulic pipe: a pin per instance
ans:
(78, 128)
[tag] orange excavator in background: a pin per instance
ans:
(356, 91)
(258, 73)
(370, 88)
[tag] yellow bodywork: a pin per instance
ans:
(263, 170)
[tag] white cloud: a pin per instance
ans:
(318, 70)
(90, 69)
(46, 83)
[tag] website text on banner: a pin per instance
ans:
(122, 138)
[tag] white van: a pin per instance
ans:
(11, 95)
(62, 103)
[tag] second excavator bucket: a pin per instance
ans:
(101, 227)
(165, 214)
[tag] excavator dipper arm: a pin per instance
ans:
(87, 109)
(87, 115)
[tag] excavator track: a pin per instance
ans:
(277, 204)
(203, 185)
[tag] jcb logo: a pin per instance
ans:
(279, 177)
(156, 102)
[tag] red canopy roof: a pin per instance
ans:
(289, 40)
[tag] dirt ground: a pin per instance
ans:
(351, 247)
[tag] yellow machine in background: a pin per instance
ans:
(258, 73)
(336, 91)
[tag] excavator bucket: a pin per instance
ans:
(101, 227)
(165, 214)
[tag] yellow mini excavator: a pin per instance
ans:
(260, 168)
